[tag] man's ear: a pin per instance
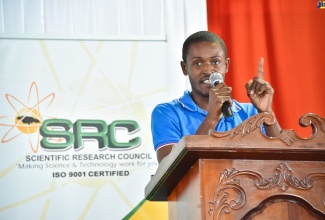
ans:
(227, 65)
(184, 68)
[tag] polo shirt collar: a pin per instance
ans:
(187, 102)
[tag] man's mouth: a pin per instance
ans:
(207, 82)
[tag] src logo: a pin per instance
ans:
(61, 134)
(57, 135)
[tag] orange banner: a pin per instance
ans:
(290, 36)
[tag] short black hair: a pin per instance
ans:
(202, 36)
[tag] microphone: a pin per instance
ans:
(215, 79)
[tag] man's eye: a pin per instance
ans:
(197, 63)
(216, 62)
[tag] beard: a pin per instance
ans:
(196, 87)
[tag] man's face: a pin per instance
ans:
(204, 58)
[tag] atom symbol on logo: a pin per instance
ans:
(28, 118)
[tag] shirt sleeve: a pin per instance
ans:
(165, 127)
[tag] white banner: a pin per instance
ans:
(75, 126)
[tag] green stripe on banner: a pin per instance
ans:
(128, 216)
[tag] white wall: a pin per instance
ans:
(168, 20)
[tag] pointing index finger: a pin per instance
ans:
(260, 71)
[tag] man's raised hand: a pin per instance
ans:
(259, 91)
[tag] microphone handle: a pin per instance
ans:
(226, 108)
(227, 112)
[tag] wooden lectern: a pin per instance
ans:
(243, 174)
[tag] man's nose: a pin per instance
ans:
(209, 68)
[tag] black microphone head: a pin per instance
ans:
(215, 78)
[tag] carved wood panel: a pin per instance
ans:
(231, 194)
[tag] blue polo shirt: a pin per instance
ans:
(173, 120)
